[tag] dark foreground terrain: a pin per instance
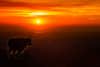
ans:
(77, 46)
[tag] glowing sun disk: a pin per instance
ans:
(38, 21)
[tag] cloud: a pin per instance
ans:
(49, 2)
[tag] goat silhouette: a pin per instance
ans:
(18, 45)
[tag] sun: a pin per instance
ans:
(38, 21)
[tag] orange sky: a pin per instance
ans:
(54, 2)
(60, 11)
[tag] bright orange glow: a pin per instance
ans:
(51, 17)
(45, 13)
(38, 21)
(39, 13)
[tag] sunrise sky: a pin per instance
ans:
(65, 10)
